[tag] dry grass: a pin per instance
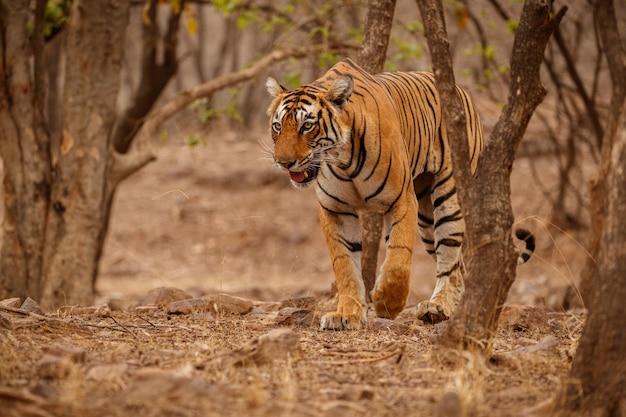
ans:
(173, 366)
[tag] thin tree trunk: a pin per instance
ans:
(154, 75)
(486, 200)
(371, 57)
(596, 386)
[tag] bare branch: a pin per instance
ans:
(156, 118)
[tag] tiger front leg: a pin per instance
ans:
(343, 237)
(393, 284)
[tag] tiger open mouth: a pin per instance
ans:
(303, 177)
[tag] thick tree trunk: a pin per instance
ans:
(54, 206)
(597, 382)
(371, 57)
(82, 187)
(604, 14)
(486, 200)
(24, 145)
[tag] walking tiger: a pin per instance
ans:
(378, 143)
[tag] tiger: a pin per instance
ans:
(378, 143)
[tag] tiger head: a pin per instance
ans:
(308, 126)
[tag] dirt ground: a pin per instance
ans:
(219, 218)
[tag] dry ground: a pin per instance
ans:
(220, 219)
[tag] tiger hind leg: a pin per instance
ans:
(442, 228)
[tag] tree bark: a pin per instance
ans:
(53, 229)
(485, 200)
(597, 382)
(24, 144)
(604, 14)
(81, 191)
(371, 57)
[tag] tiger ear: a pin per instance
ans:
(340, 90)
(273, 87)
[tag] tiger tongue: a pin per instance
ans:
(297, 176)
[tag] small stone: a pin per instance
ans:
(147, 310)
(5, 321)
(75, 354)
(518, 318)
(15, 302)
(192, 305)
(288, 316)
(357, 393)
(306, 302)
(54, 367)
(109, 372)
(98, 311)
(31, 306)
(162, 296)
(278, 344)
(544, 345)
(450, 405)
(223, 304)
(386, 324)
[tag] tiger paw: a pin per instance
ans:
(430, 312)
(339, 321)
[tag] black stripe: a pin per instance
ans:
(381, 187)
(441, 199)
(457, 215)
(450, 271)
(449, 242)
(338, 213)
(337, 199)
(425, 219)
(351, 246)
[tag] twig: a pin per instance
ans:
(397, 352)
(123, 327)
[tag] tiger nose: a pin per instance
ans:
(286, 164)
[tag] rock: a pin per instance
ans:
(515, 317)
(31, 306)
(5, 321)
(147, 310)
(278, 344)
(188, 306)
(162, 296)
(544, 345)
(382, 323)
(102, 310)
(357, 393)
(306, 302)
(450, 405)
(15, 302)
(75, 354)
(54, 367)
(289, 316)
(109, 372)
(224, 304)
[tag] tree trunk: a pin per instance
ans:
(597, 382)
(154, 75)
(54, 207)
(24, 144)
(371, 57)
(485, 200)
(604, 14)
(83, 185)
